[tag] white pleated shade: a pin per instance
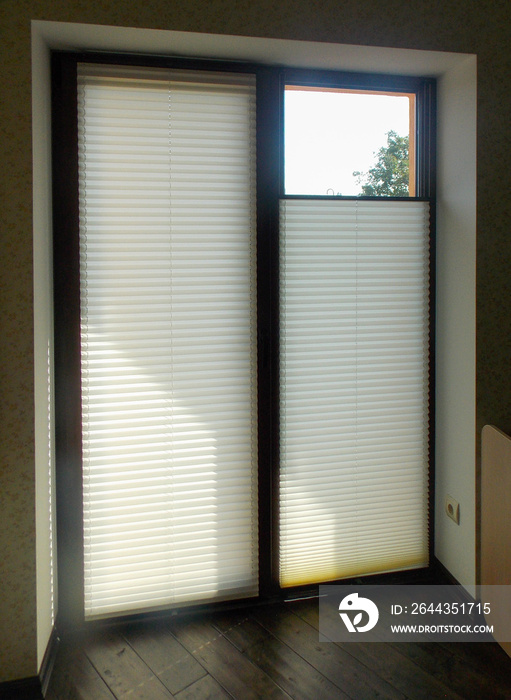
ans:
(167, 219)
(354, 388)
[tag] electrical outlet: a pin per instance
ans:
(452, 508)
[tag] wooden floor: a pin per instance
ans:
(269, 651)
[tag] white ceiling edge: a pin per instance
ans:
(309, 54)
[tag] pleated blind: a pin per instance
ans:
(354, 388)
(167, 227)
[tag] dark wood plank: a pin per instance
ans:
(235, 673)
(487, 657)
(74, 678)
(292, 673)
(462, 677)
(166, 657)
(347, 673)
(240, 629)
(301, 680)
(486, 660)
(205, 689)
(400, 671)
(123, 670)
(383, 659)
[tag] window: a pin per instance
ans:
(167, 242)
(176, 398)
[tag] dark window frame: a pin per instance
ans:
(270, 82)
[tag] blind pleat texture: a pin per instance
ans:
(354, 388)
(167, 202)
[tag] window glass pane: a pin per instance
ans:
(347, 142)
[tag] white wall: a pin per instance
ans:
(43, 343)
(455, 468)
(456, 315)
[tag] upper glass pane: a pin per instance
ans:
(349, 142)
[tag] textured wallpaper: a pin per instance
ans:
(450, 25)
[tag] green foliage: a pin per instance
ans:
(389, 176)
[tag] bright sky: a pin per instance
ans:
(328, 135)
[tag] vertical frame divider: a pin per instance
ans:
(66, 290)
(268, 184)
